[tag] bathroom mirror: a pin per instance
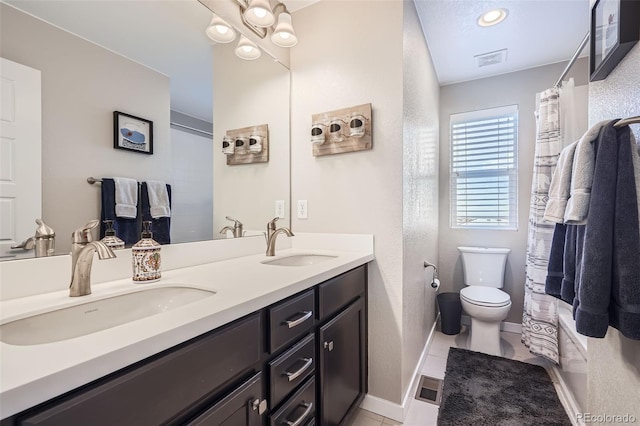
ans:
(105, 63)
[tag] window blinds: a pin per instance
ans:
(484, 169)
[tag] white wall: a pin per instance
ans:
(343, 59)
(420, 191)
(517, 88)
(614, 362)
(248, 93)
(82, 84)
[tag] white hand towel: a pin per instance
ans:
(560, 187)
(158, 199)
(126, 197)
(584, 161)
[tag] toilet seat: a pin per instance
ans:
(485, 296)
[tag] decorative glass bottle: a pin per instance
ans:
(110, 238)
(146, 256)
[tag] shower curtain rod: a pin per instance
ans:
(573, 60)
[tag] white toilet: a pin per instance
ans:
(482, 299)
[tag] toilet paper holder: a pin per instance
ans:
(435, 273)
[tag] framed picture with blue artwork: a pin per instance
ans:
(132, 133)
(615, 29)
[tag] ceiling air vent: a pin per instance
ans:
(491, 58)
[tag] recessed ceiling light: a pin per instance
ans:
(492, 17)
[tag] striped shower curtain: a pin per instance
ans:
(540, 316)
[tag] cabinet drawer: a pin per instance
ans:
(290, 319)
(299, 410)
(337, 292)
(291, 368)
(164, 388)
(237, 408)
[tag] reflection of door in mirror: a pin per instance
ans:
(20, 147)
(192, 170)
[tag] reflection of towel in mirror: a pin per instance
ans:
(126, 229)
(158, 199)
(161, 227)
(126, 197)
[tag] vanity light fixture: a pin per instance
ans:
(259, 13)
(284, 35)
(220, 31)
(259, 17)
(492, 17)
(247, 49)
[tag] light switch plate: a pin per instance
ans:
(303, 212)
(280, 209)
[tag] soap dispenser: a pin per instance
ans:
(146, 256)
(110, 239)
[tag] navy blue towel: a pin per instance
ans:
(553, 283)
(608, 289)
(126, 229)
(624, 308)
(161, 227)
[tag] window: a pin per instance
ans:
(484, 169)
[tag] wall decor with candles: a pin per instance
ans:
(342, 130)
(247, 145)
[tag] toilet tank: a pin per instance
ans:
(484, 266)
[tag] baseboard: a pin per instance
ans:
(510, 327)
(382, 407)
(393, 410)
(566, 396)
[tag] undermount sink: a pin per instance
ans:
(299, 260)
(87, 318)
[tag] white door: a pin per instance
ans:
(20, 154)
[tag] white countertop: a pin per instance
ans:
(33, 374)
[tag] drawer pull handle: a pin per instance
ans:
(299, 420)
(328, 345)
(306, 315)
(295, 375)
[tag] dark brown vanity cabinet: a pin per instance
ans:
(342, 342)
(301, 361)
(164, 389)
(241, 407)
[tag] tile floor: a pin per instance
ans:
(426, 414)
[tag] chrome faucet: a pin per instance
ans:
(82, 249)
(272, 235)
(237, 228)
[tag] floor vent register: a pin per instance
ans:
(429, 390)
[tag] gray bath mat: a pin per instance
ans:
(481, 389)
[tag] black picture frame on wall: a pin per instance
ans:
(615, 29)
(132, 133)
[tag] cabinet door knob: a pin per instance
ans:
(328, 345)
(261, 406)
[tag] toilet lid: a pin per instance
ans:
(487, 296)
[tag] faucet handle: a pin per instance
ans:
(272, 223)
(236, 222)
(83, 235)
